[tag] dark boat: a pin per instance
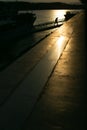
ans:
(69, 15)
(25, 18)
(16, 19)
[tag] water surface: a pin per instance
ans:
(50, 15)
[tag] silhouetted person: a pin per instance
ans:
(56, 21)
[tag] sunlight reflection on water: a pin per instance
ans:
(50, 15)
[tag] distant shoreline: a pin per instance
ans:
(38, 6)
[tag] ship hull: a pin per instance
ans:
(19, 20)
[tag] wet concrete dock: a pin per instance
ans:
(45, 88)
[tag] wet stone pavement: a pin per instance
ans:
(13, 47)
(62, 103)
(45, 89)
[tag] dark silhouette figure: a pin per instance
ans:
(56, 21)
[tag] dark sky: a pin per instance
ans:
(66, 1)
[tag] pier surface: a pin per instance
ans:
(45, 88)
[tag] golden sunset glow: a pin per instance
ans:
(59, 13)
(61, 43)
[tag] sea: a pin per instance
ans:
(16, 49)
(50, 15)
